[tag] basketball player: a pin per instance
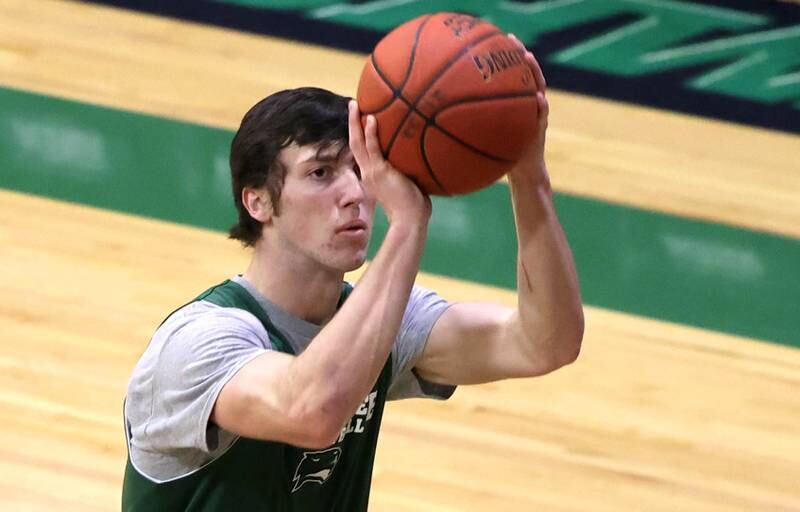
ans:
(266, 392)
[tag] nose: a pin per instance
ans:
(351, 190)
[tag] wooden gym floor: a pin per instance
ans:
(654, 415)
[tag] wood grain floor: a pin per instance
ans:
(653, 416)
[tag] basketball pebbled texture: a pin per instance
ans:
(454, 99)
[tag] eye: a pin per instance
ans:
(357, 170)
(319, 172)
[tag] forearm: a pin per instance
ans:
(343, 362)
(550, 315)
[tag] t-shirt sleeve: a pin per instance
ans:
(423, 310)
(176, 383)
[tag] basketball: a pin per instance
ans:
(454, 99)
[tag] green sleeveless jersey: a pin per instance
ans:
(256, 475)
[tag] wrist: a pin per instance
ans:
(411, 219)
(530, 176)
(407, 228)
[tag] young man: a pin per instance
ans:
(266, 392)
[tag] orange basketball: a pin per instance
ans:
(454, 99)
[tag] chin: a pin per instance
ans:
(345, 259)
(356, 264)
(344, 263)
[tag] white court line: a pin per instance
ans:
(607, 39)
(730, 69)
(705, 10)
(537, 7)
(783, 80)
(336, 9)
(723, 44)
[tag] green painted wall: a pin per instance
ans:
(748, 58)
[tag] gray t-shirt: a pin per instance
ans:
(197, 350)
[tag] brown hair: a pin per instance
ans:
(304, 116)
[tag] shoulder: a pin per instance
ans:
(423, 301)
(204, 314)
(201, 329)
(197, 345)
(423, 310)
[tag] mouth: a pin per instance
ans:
(353, 227)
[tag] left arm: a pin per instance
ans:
(481, 342)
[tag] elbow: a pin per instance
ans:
(318, 427)
(571, 339)
(563, 346)
(319, 433)
(569, 353)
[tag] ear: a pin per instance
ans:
(258, 204)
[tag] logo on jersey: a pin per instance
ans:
(316, 467)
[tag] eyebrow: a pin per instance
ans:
(324, 154)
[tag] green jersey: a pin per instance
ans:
(250, 474)
(265, 475)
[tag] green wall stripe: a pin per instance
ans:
(728, 59)
(646, 263)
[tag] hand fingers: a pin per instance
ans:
(538, 76)
(544, 110)
(373, 146)
(356, 134)
(541, 84)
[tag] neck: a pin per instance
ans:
(302, 289)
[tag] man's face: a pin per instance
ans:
(325, 214)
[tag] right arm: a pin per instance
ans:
(305, 400)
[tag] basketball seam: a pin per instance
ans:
(413, 52)
(428, 166)
(396, 90)
(432, 121)
(476, 99)
(436, 77)
(469, 146)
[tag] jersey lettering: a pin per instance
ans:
(359, 420)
